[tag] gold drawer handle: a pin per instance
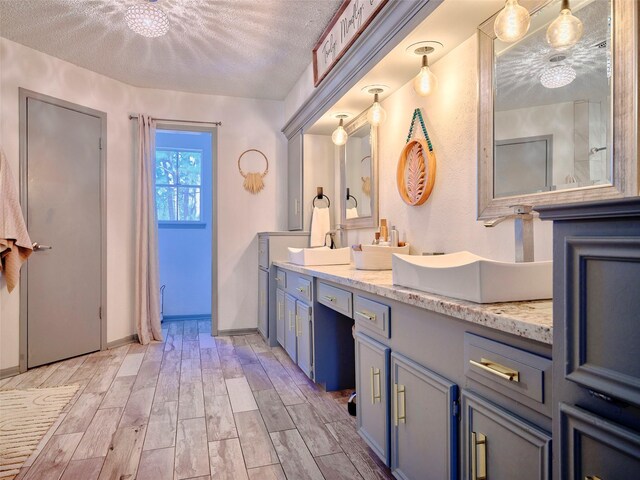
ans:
(329, 298)
(592, 477)
(290, 321)
(367, 315)
(501, 371)
(400, 417)
(375, 380)
(297, 325)
(301, 289)
(478, 456)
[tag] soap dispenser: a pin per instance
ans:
(394, 236)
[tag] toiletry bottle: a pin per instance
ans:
(384, 232)
(376, 239)
(393, 236)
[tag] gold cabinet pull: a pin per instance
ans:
(478, 456)
(375, 381)
(592, 477)
(399, 417)
(366, 315)
(290, 321)
(301, 289)
(395, 404)
(329, 298)
(501, 371)
(297, 325)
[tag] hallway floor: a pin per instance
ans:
(196, 407)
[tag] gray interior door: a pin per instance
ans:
(63, 212)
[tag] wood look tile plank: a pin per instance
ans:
(54, 457)
(219, 416)
(154, 352)
(257, 377)
(175, 328)
(206, 340)
(213, 382)
(130, 365)
(225, 346)
(192, 456)
(282, 382)
(238, 340)
(294, 456)
(43, 441)
(268, 472)
(81, 414)
(173, 342)
(101, 383)
(190, 370)
(156, 465)
(167, 388)
(190, 348)
(254, 439)
(297, 375)
(138, 407)
(37, 376)
(191, 400)
(209, 359)
(318, 439)
(231, 366)
(97, 438)
(240, 395)
(328, 409)
(204, 326)
(337, 467)
(190, 330)
(136, 347)
(245, 354)
(88, 469)
(62, 374)
(275, 415)
(118, 392)
(124, 453)
(147, 375)
(226, 460)
(161, 430)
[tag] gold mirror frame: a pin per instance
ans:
(362, 222)
(624, 114)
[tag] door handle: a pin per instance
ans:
(375, 381)
(497, 369)
(297, 325)
(478, 456)
(399, 417)
(290, 321)
(36, 246)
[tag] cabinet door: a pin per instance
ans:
(280, 323)
(499, 445)
(263, 307)
(372, 385)
(294, 182)
(424, 435)
(290, 343)
(305, 337)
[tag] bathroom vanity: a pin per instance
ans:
(442, 384)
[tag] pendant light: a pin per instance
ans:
(339, 135)
(566, 30)
(147, 19)
(425, 82)
(376, 114)
(512, 23)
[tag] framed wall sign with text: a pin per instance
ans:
(345, 27)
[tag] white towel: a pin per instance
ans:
(320, 226)
(15, 244)
(352, 213)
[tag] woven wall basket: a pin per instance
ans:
(416, 172)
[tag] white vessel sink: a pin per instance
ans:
(376, 257)
(467, 276)
(319, 256)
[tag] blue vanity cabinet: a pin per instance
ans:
(498, 445)
(280, 316)
(424, 432)
(290, 338)
(596, 337)
(263, 307)
(372, 385)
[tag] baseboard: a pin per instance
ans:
(169, 318)
(9, 372)
(123, 341)
(236, 331)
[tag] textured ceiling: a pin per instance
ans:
(518, 68)
(255, 49)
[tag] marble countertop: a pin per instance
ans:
(532, 320)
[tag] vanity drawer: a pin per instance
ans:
(372, 316)
(281, 279)
(301, 288)
(515, 373)
(335, 298)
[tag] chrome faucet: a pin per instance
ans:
(523, 230)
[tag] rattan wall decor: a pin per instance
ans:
(253, 182)
(416, 172)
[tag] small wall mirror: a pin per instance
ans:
(359, 175)
(550, 129)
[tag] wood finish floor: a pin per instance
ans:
(195, 407)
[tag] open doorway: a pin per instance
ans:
(186, 210)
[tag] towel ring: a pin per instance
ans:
(323, 196)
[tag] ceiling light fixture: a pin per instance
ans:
(425, 82)
(339, 135)
(564, 31)
(147, 19)
(376, 114)
(559, 74)
(512, 23)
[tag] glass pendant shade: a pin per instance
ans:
(339, 135)
(376, 114)
(512, 23)
(564, 31)
(147, 20)
(557, 76)
(425, 82)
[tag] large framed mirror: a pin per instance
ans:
(359, 175)
(559, 126)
